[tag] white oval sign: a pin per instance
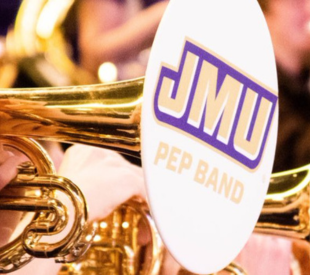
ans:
(209, 125)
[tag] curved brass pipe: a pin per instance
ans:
(80, 114)
(50, 215)
(106, 115)
(231, 269)
(116, 250)
(286, 210)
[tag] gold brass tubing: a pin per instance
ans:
(61, 248)
(50, 215)
(286, 210)
(106, 115)
(116, 250)
(13, 255)
(231, 269)
(30, 204)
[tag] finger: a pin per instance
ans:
(8, 170)
(4, 155)
(9, 221)
(5, 234)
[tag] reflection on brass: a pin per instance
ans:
(286, 210)
(103, 115)
(231, 269)
(36, 185)
(106, 115)
(116, 250)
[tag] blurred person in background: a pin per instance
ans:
(289, 25)
(115, 33)
(118, 32)
(8, 12)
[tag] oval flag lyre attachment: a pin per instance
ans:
(209, 128)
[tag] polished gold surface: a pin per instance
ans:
(231, 269)
(116, 248)
(286, 210)
(34, 191)
(103, 115)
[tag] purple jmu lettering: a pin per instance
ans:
(217, 104)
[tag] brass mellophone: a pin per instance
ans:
(108, 116)
(103, 115)
(92, 122)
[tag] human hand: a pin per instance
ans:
(8, 166)
(105, 178)
(8, 170)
